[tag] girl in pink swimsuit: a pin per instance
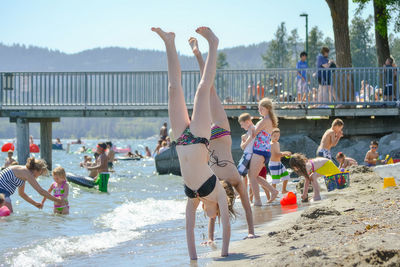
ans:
(60, 189)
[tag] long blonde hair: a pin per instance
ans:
(267, 103)
(230, 193)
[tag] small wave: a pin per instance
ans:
(125, 223)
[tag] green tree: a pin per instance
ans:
(385, 11)
(277, 55)
(361, 44)
(314, 45)
(222, 63)
(295, 45)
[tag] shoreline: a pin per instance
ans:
(359, 225)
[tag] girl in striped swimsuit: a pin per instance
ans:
(15, 177)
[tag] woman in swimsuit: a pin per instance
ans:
(16, 176)
(221, 161)
(192, 145)
(262, 150)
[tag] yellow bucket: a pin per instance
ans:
(389, 181)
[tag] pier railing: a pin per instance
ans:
(91, 90)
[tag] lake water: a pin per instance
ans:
(140, 221)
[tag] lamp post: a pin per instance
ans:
(306, 15)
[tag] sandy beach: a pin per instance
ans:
(356, 226)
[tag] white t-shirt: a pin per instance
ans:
(249, 147)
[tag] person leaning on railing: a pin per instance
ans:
(390, 80)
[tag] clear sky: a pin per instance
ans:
(75, 25)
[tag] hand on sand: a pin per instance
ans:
(304, 199)
(251, 236)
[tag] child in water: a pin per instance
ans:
(345, 161)
(60, 189)
(4, 211)
(372, 156)
(278, 171)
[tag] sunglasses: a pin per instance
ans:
(374, 147)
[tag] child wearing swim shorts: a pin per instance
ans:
(246, 144)
(372, 156)
(278, 171)
(60, 189)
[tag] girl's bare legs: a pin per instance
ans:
(201, 118)
(218, 117)
(256, 164)
(177, 109)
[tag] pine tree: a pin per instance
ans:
(314, 46)
(295, 45)
(277, 55)
(221, 61)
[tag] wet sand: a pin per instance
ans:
(356, 226)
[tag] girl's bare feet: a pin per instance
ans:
(209, 35)
(166, 36)
(194, 45)
(274, 195)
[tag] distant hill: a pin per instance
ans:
(31, 58)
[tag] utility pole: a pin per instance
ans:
(306, 16)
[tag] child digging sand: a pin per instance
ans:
(60, 189)
(372, 156)
(344, 161)
(278, 171)
(330, 139)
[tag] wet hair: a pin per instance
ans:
(2, 199)
(375, 143)
(267, 103)
(36, 165)
(337, 122)
(340, 155)
(59, 171)
(299, 161)
(303, 54)
(244, 117)
(324, 49)
(230, 193)
(109, 143)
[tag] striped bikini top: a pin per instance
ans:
(218, 132)
(9, 182)
(262, 142)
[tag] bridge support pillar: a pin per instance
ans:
(22, 140)
(46, 142)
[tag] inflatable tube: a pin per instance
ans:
(57, 146)
(122, 150)
(128, 158)
(4, 211)
(167, 162)
(7, 146)
(33, 148)
(80, 180)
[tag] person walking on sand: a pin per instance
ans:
(15, 177)
(330, 139)
(262, 149)
(221, 161)
(192, 145)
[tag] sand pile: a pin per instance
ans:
(356, 226)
